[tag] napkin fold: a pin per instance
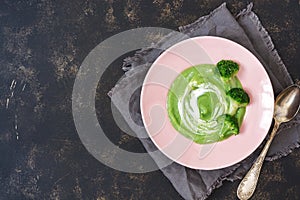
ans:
(245, 29)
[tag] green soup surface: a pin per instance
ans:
(196, 100)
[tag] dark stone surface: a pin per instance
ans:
(42, 44)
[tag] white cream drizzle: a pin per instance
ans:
(189, 110)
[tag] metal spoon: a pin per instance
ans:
(286, 107)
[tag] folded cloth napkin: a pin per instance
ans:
(244, 29)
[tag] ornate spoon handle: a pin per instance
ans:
(249, 182)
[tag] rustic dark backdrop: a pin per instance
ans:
(42, 45)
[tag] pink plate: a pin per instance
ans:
(206, 50)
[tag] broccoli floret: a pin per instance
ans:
(227, 68)
(238, 98)
(239, 95)
(229, 126)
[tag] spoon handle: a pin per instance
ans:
(249, 182)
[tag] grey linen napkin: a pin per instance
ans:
(244, 29)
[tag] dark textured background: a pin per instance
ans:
(42, 44)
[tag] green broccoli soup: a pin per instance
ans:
(207, 103)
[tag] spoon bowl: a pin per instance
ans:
(287, 104)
